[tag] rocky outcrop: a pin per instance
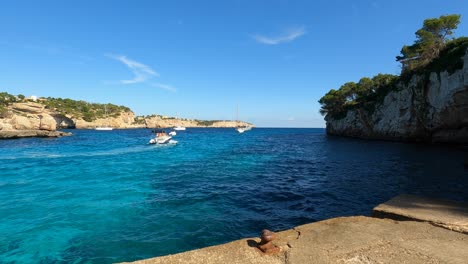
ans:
(124, 120)
(128, 120)
(12, 134)
(31, 116)
(157, 121)
(429, 108)
(35, 116)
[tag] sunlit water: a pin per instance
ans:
(107, 196)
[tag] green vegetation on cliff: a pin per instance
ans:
(81, 109)
(433, 51)
(351, 95)
(5, 100)
(431, 39)
(206, 122)
(76, 109)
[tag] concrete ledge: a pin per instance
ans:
(356, 239)
(447, 214)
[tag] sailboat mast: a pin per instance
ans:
(237, 115)
(105, 115)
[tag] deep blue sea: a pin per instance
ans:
(108, 196)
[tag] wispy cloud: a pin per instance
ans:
(141, 71)
(164, 86)
(286, 36)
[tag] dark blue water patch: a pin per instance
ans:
(108, 196)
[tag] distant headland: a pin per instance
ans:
(20, 113)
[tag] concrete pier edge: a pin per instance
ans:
(406, 229)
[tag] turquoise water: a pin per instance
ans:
(107, 196)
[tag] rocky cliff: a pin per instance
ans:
(428, 108)
(30, 116)
(36, 116)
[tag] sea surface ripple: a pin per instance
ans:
(108, 196)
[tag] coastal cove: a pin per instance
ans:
(260, 132)
(106, 197)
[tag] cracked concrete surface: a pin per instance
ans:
(350, 240)
(448, 214)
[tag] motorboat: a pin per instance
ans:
(172, 133)
(103, 128)
(161, 138)
(179, 128)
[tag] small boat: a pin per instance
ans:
(178, 128)
(239, 128)
(161, 138)
(172, 133)
(103, 128)
(242, 129)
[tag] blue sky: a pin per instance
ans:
(199, 59)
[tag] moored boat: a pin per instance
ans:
(106, 127)
(103, 128)
(239, 128)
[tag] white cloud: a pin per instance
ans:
(164, 86)
(141, 71)
(287, 36)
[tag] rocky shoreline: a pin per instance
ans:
(430, 108)
(35, 115)
(13, 134)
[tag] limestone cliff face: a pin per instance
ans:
(31, 116)
(427, 109)
(124, 120)
(158, 122)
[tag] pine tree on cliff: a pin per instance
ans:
(430, 40)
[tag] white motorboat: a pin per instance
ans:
(103, 128)
(172, 133)
(179, 128)
(161, 138)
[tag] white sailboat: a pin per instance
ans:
(104, 128)
(239, 128)
(179, 127)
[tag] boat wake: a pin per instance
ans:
(114, 152)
